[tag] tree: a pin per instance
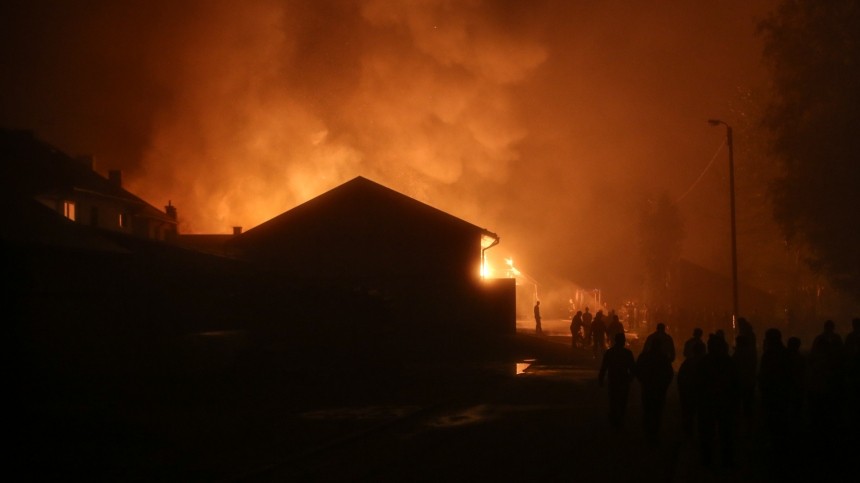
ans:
(813, 51)
(661, 231)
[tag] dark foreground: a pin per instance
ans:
(441, 422)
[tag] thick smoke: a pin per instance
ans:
(546, 122)
(278, 102)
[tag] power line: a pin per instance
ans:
(713, 158)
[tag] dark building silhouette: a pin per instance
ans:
(361, 274)
(363, 231)
(702, 298)
(423, 262)
(69, 186)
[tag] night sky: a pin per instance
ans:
(547, 122)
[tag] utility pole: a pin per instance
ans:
(730, 142)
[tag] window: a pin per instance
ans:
(123, 220)
(69, 210)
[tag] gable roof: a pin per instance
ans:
(31, 167)
(359, 197)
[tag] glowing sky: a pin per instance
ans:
(548, 122)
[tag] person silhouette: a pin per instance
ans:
(597, 334)
(852, 340)
(746, 361)
(654, 371)
(852, 376)
(666, 343)
(576, 330)
(694, 344)
(774, 383)
(586, 319)
(538, 328)
(719, 382)
(797, 388)
(745, 329)
(615, 327)
(826, 372)
(830, 335)
(830, 425)
(688, 386)
(618, 363)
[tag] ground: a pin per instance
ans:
(440, 422)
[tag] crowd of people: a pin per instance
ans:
(594, 330)
(718, 386)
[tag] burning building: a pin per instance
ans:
(362, 236)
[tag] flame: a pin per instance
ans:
(486, 271)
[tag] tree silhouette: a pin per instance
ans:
(813, 51)
(661, 231)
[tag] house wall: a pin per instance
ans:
(92, 211)
(105, 213)
(421, 263)
(429, 282)
(498, 306)
(388, 254)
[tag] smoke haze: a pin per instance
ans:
(549, 123)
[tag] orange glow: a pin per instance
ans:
(69, 210)
(524, 365)
(508, 271)
(512, 271)
(545, 122)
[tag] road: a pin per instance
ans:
(547, 424)
(437, 423)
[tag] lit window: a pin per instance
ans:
(123, 220)
(69, 210)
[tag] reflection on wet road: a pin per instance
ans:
(482, 434)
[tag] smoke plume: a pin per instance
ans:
(546, 122)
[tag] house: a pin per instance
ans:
(363, 236)
(363, 231)
(35, 170)
(363, 274)
(703, 298)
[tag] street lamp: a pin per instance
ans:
(717, 122)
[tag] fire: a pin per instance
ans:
(487, 270)
(254, 124)
(511, 269)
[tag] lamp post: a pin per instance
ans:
(717, 122)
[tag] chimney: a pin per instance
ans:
(115, 177)
(237, 230)
(170, 210)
